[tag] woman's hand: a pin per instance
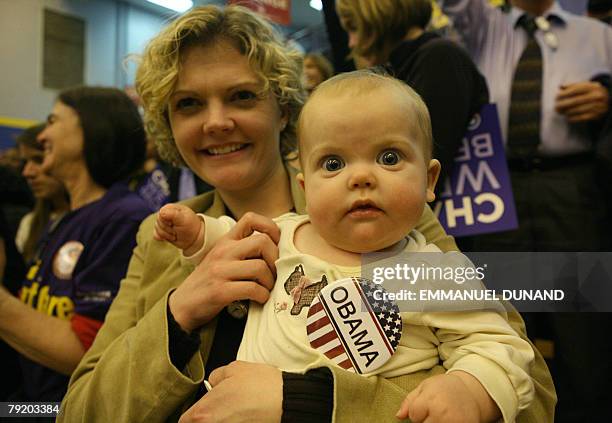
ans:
(242, 392)
(239, 267)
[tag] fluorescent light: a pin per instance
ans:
(176, 5)
(316, 4)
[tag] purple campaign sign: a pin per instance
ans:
(477, 197)
(8, 135)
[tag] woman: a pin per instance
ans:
(316, 70)
(12, 270)
(392, 33)
(93, 141)
(50, 194)
(221, 94)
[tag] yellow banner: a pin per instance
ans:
(16, 122)
(10, 128)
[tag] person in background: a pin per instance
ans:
(600, 9)
(16, 198)
(12, 270)
(316, 70)
(10, 158)
(392, 33)
(549, 73)
(93, 141)
(51, 196)
(159, 182)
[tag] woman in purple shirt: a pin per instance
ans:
(93, 141)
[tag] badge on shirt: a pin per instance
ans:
(66, 259)
(353, 326)
(302, 290)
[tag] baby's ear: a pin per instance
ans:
(433, 171)
(300, 178)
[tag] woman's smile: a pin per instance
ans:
(226, 149)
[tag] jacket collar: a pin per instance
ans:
(212, 204)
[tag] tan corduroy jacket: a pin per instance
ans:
(127, 375)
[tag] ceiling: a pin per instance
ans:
(302, 15)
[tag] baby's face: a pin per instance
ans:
(365, 177)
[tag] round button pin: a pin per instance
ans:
(551, 40)
(238, 309)
(352, 324)
(542, 23)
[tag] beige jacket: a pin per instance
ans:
(127, 375)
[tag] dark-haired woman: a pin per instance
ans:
(94, 140)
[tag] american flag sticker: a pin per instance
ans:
(351, 327)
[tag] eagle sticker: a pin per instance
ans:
(302, 289)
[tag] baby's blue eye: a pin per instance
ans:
(333, 164)
(388, 158)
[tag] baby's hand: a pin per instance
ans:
(180, 226)
(448, 398)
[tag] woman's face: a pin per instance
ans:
(226, 133)
(350, 27)
(43, 186)
(62, 140)
(312, 74)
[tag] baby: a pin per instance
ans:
(365, 152)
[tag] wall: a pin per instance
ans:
(141, 27)
(113, 29)
(21, 58)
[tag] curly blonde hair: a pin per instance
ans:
(279, 67)
(382, 24)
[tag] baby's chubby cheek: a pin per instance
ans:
(406, 203)
(323, 218)
(327, 220)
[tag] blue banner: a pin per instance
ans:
(477, 197)
(9, 129)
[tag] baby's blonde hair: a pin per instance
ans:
(279, 67)
(364, 81)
